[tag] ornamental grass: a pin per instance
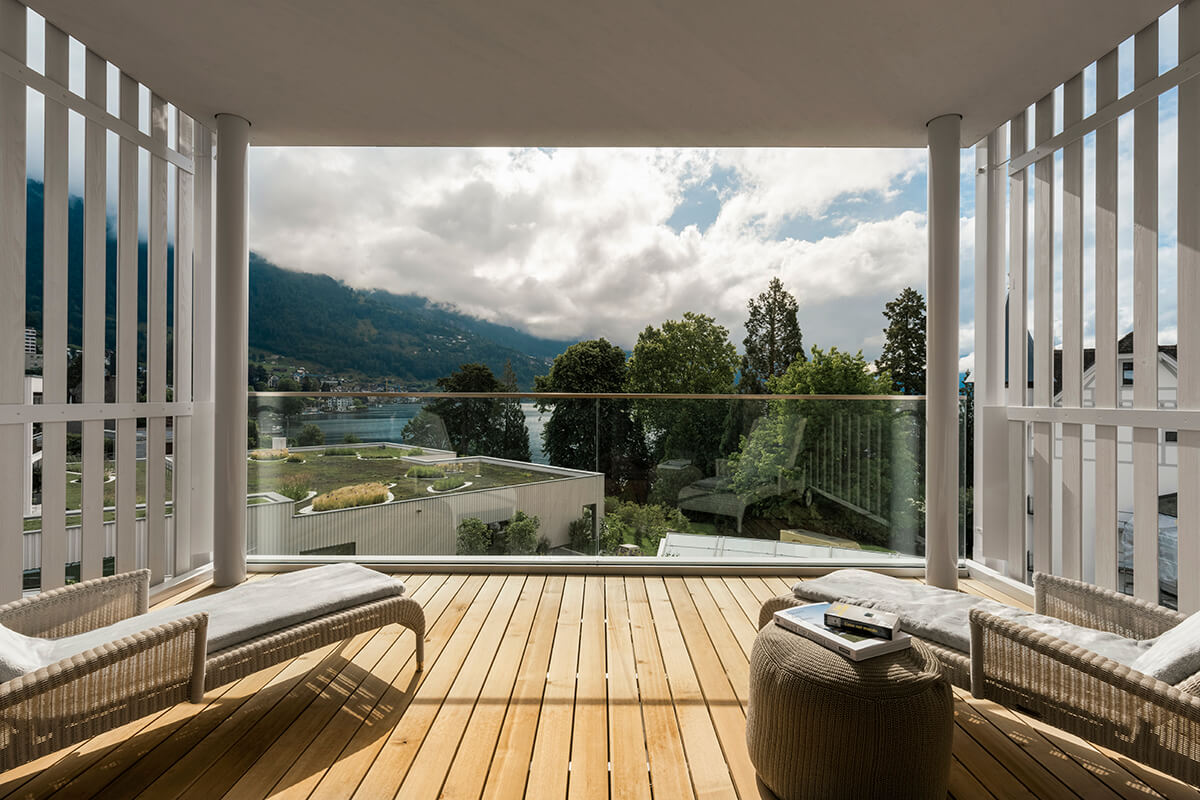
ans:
(364, 494)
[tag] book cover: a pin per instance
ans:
(809, 621)
(860, 619)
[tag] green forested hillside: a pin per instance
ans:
(311, 318)
(318, 319)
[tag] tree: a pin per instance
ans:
(474, 538)
(773, 340)
(577, 427)
(288, 406)
(480, 427)
(832, 372)
(310, 436)
(513, 433)
(351, 438)
(689, 356)
(903, 354)
(251, 434)
(426, 429)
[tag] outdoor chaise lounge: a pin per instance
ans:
(80, 660)
(1117, 671)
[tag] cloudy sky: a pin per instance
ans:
(587, 242)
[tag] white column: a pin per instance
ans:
(230, 352)
(941, 353)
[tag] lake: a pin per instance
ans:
(385, 423)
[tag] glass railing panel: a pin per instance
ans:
(727, 477)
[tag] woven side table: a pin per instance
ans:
(820, 725)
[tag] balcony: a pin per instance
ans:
(547, 686)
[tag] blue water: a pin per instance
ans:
(385, 423)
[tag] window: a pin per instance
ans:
(1127, 373)
(1171, 436)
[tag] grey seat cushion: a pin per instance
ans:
(253, 609)
(942, 616)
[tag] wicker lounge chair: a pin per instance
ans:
(1085, 693)
(135, 675)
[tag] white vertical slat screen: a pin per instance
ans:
(156, 347)
(12, 299)
(1043, 336)
(1018, 364)
(127, 329)
(182, 425)
(1105, 375)
(1145, 319)
(95, 288)
(1072, 338)
(1124, 485)
(1189, 308)
(99, 401)
(54, 316)
(202, 350)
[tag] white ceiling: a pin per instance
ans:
(602, 72)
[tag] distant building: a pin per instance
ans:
(30, 340)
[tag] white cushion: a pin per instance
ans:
(21, 654)
(1175, 656)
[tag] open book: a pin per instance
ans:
(809, 621)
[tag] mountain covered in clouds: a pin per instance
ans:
(318, 319)
(311, 318)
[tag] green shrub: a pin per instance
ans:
(474, 537)
(446, 484)
(295, 458)
(310, 435)
(364, 494)
(350, 438)
(376, 452)
(294, 488)
(420, 471)
(340, 451)
(638, 524)
(413, 451)
(579, 532)
(269, 455)
(520, 535)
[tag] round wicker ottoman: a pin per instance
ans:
(823, 726)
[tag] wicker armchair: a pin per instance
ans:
(1085, 693)
(107, 686)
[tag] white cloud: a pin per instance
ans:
(575, 243)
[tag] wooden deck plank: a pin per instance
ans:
(733, 654)
(626, 729)
(363, 708)
(509, 769)
(664, 743)
(437, 750)
(1020, 762)
(388, 770)
(552, 744)
(709, 771)
(645, 698)
(467, 775)
(1062, 745)
(589, 735)
(724, 704)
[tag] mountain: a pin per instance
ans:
(321, 320)
(311, 318)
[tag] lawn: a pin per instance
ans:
(325, 473)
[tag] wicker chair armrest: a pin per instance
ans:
(80, 607)
(1101, 609)
(88, 693)
(1009, 656)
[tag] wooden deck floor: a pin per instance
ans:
(535, 686)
